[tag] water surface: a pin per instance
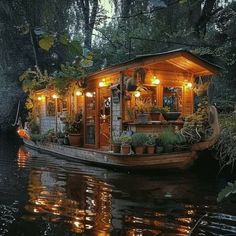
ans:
(45, 195)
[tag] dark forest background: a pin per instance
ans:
(206, 27)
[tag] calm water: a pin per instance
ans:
(45, 195)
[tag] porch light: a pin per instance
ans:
(78, 93)
(40, 98)
(155, 80)
(55, 96)
(189, 85)
(102, 83)
(137, 94)
(89, 94)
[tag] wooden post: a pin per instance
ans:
(56, 115)
(122, 89)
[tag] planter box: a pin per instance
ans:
(142, 118)
(171, 115)
(155, 116)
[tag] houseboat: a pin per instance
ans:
(146, 95)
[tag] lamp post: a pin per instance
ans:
(54, 96)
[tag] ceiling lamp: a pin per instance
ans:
(155, 80)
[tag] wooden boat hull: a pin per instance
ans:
(181, 160)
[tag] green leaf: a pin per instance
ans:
(75, 47)
(46, 42)
(88, 61)
(63, 39)
(228, 190)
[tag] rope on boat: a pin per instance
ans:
(17, 115)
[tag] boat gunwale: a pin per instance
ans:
(108, 159)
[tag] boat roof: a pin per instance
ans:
(182, 59)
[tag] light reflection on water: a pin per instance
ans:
(68, 198)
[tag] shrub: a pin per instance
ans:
(151, 140)
(116, 140)
(125, 139)
(139, 139)
(168, 137)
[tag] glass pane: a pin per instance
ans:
(90, 100)
(172, 98)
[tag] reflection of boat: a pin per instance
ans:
(23, 156)
(82, 202)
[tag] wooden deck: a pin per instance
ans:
(181, 160)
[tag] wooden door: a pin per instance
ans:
(90, 121)
(104, 117)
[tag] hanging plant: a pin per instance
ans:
(200, 87)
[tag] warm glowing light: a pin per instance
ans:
(102, 83)
(54, 96)
(23, 133)
(137, 94)
(155, 80)
(189, 85)
(40, 98)
(89, 94)
(78, 93)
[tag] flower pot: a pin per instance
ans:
(150, 149)
(155, 116)
(125, 149)
(75, 139)
(116, 148)
(171, 116)
(142, 118)
(139, 150)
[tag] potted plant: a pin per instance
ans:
(125, 144)
(168, 138)
(73, 129)
(50, 135)
(116, 144)
(138, 142)
(155, 113)
(150, 144)
(60, 138)
(74, 135)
